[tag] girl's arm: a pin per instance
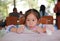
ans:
(20, 29)
(39, 30)
(11, 28)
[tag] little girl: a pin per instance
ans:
(31, 22)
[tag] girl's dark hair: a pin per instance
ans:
(42, 8)
(33, 11)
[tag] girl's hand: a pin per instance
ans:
(39, 30)
(13, 29)
(44, 29)
(20, 29)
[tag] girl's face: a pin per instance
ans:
(31, 20)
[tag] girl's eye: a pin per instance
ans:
(33, 20)
(27, 20)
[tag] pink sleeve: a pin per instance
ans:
(34, 28)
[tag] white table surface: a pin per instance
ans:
(30, 36)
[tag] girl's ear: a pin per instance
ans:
(38, 21)
(25, 24)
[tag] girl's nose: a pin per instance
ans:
(30, 22)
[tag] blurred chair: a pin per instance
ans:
(46, 20)
(43, 21)
(49, 19)
(11, 20)
(21, 20)
(0, 28)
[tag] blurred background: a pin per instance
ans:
(6, 6)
